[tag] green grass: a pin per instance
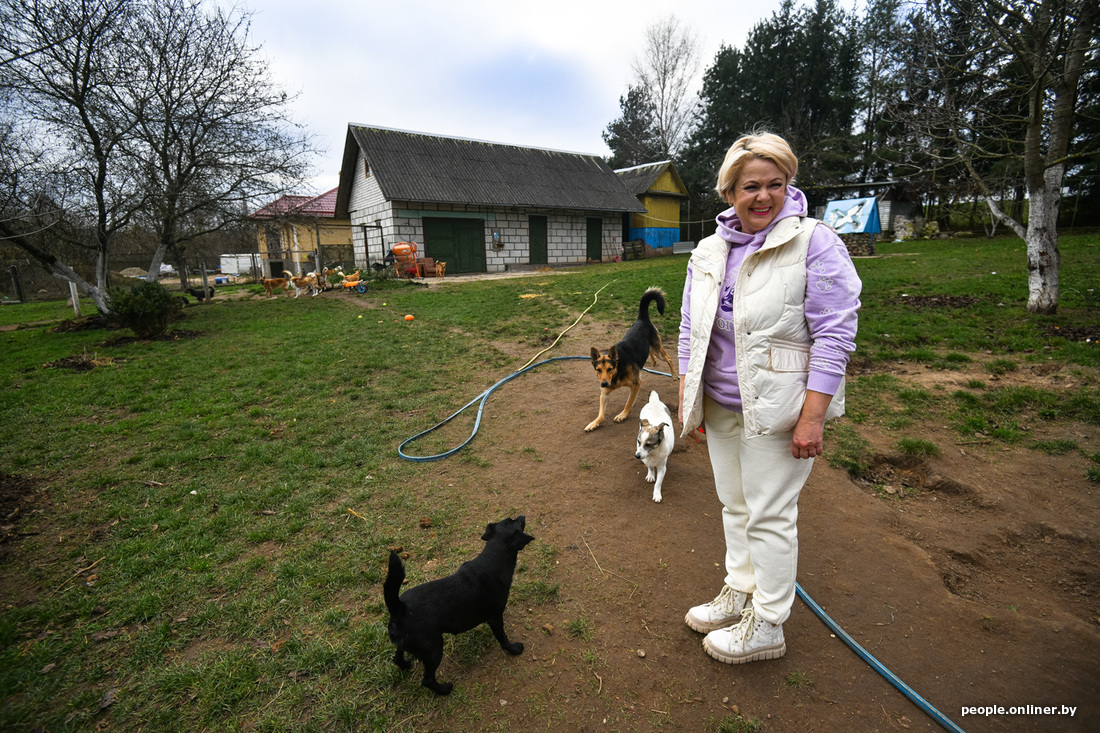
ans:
(739, 724)
(917, 447)
(1054, 447)
(42, 312)
(209, 516)
(994, 274)
(799, 679)
(579, 628)
(1093, 472)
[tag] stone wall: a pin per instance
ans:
(859, 244)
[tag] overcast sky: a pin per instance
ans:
(540, 74)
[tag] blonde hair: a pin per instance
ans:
(755, 145)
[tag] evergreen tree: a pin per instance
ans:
(633, 137)
(720, 121)
(797, 77)
(1082, 206)
(881, 32)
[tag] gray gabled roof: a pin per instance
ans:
(640, 177)
(423, 168)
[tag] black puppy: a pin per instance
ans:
(200, 295)
(476, 594)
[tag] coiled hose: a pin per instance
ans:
(866, 656)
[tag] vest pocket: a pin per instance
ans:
(788, 356)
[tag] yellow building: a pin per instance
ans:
(661, 192)
(301, 234)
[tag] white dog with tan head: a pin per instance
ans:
(655, 441)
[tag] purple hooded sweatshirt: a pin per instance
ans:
(832, 302)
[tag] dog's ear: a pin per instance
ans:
(645, 423)
(490, 530)
(613, 354)
(595, 356)
(520, 540)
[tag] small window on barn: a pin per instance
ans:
(366, 168)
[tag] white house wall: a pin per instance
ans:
(566, 237)
(368, 209)
(378, 224)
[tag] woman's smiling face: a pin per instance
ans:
(759, 194)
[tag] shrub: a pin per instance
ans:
(146, 309)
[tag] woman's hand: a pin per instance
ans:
(809, 431)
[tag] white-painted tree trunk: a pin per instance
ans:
(1042, 245)
(1041, 237)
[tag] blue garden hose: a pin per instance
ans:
(481, 399)
(876, 665)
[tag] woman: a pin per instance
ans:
(768, 322)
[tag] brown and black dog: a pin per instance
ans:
(622, 365)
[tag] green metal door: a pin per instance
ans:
(538, 240)
(595, 239)
(458, 242)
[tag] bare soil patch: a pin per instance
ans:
(936, 301)
(83, 362)
(972, 576)
(175, 334)
(17, 501)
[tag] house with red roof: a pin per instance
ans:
(301, 234)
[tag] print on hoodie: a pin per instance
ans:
(724, 321)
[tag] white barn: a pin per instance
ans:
(478, 206)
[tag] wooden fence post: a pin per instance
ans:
(75, 295)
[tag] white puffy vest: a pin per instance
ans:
(771, 336)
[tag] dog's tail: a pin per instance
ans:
(650, 295)
(391, 589)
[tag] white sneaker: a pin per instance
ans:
(749, 641)
(719, 613)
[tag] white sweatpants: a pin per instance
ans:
(758, 482)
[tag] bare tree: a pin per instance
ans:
(29, 194)
(996, 86)
(63, 59)
(211, 130)
(666, 68)
(134, 112)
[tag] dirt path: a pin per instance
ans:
(977, 588)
